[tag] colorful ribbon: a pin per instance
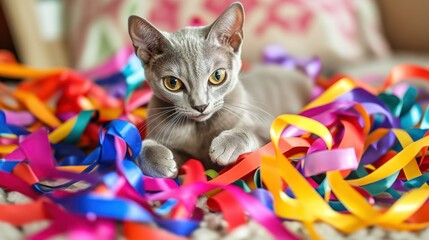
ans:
(327, 164)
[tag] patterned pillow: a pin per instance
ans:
(338, 31)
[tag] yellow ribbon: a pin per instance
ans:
(309, 207)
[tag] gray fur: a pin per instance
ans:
(239, 111)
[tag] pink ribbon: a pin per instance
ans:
(111, 66)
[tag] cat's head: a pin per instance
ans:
(193, 68)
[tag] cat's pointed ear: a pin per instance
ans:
(147, 40)
(228, 28)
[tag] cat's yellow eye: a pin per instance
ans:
(171, 83)
(218, 76)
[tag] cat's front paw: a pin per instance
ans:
(156, 160)
(229, 145)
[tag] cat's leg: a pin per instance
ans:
(156, 160)
(230, 144)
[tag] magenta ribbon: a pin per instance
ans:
(257, 211)
(40, 159)
(111, 66)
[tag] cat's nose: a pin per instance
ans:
(200, 108)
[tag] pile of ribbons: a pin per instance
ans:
(356, 156)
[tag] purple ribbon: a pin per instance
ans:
(276, 54)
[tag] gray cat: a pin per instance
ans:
(201, 107)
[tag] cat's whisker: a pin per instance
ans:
(253, 109)
(162, 112)
(222, 124)
(159, 124)
(163, 108)
(172, 124)
(247, 100)
(155, 117)
(161, 134)
(233, 119)
(234, 112)
(251, 117)
(231, 112)
(168, 130)
(180, 120)
(267, 117)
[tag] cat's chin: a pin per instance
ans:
(201, 117)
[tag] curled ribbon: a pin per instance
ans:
(329, 163)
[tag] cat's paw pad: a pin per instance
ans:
(156, 160)
(228, 146)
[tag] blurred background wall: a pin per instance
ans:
(36, 28)
(84, 33)
(406, 24)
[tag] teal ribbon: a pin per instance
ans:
(424, 124)
(134, 75)
(79, 127)
(417, 182)
(378, 187)
(406, 108)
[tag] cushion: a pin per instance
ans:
(338, 31)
